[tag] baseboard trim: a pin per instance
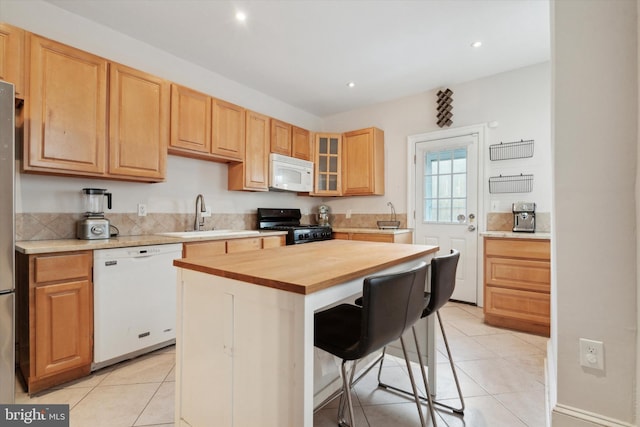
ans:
(589, 418)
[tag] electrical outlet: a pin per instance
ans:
(592, 354)
(142, 209)
(348, 215)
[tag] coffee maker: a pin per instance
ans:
(524, 217)
(94, 225)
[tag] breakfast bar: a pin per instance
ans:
(245, 353)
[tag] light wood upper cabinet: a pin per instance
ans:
(65, 129)
(253, 173)
(301, 143)
(328, 165)
(190, 121)
(12, 57)
(280, 137)
(363, 162)
(228, 130)
(67, 119)
(138, 124)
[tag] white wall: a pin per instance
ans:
(595, 144)
(185, 177)
(518, 100)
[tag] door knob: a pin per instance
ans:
(471, 227)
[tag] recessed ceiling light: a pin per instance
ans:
(351, 84)
(476, 44)
(241, 16)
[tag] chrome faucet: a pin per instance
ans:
(198, 224)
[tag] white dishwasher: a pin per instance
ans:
(134, 301)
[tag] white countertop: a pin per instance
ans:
(67, 245)
(516, 235)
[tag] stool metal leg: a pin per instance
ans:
(347, 380)
(416, 396)
(460, 410)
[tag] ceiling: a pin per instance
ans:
(304, 52)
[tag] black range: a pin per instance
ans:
(289, 220)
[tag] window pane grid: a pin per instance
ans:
(445, 185)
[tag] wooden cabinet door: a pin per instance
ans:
(190, 121)
(12, 57)
(363, 162)
(138, 124)
(63, 327)
(67, 114)
(301, 143)
(328, 165)
(253, 173)
(280, 137)
(228, 127)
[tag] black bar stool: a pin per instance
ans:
(443, 282)
(391, 303)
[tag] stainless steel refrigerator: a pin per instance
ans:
(7, 243)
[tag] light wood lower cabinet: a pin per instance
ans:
(376, 237)
(517, 284)
(55, 317)
(219, 247)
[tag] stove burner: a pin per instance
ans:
(289, 220)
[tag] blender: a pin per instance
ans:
(94, 225)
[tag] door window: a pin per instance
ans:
(445, 186)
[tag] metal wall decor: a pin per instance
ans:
(444, 107)
(511, 150)
(511, 184)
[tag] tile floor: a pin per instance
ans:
(501, 373)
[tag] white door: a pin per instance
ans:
(446, 204)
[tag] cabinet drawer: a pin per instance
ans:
(529, 307)
(62, 267)
(522, 274)
(273, 241)
(242, 245)
(204, 249)
(517, 248)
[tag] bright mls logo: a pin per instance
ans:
(34, 415)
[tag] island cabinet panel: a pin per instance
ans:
(65, 129)
(363, 162)
(12, 57)
(54, 317)
(301, 143)
(238, 358)
(228, 127)
(280, 137)
(190, 121)
(517, 284)
(138, 124)
(253, 173)
(243, 245)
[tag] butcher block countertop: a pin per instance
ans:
(310, 267)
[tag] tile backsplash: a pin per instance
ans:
(47, 226)
(503, 221)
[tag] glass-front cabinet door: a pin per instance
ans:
(328, 152)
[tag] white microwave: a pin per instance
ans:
(290, 174)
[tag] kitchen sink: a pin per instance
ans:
(209, 233)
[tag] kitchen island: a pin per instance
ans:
(245, 353)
